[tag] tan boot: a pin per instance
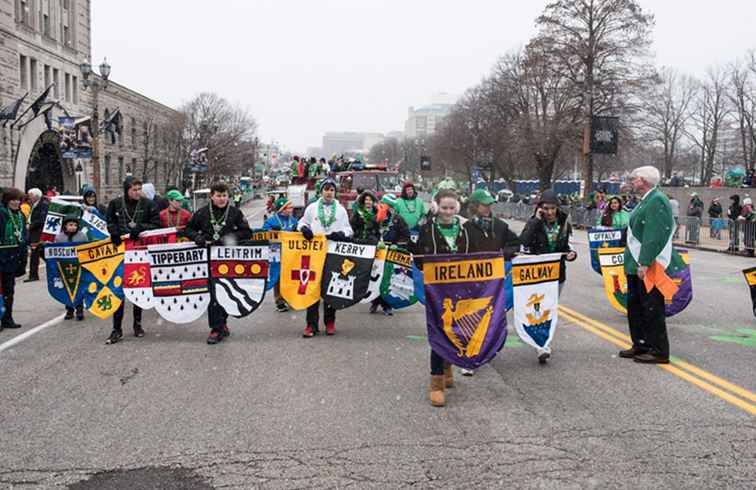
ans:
(448, 375)
(437, 397)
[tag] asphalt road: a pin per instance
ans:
(270, 409)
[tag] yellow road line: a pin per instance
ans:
(621, 340)
(722, 383)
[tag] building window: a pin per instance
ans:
(33, 74)
(23, 72)
(47, 75)
(120, 169)
(107, 170)
(66, 36)
(132, 121)
(56, 82)
(75, 89)
(133, 165)
(66, 5)
(46, 25)
(67, 79)
(22, 15)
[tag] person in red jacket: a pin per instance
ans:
(174, 215)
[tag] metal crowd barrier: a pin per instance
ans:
(735, 236)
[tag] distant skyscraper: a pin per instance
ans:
(349, 142)
(422, 122)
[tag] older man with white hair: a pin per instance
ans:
(649, 246)
(37, 218)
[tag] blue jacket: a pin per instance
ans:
(280, 223)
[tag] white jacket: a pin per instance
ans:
(311, 220)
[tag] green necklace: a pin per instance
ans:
(326, 221)
(17, 226)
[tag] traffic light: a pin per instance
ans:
(425, 163)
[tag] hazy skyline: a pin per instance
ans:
(307, 67)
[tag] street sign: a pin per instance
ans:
(604, 132)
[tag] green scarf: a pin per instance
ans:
(13, 234)
(450, 233)
(552, 235)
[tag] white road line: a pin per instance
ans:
(20, 338)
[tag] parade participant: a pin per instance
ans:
(130, 214)
(174, 215)
(313, 169)
(37, 219)
(326, 216)
(548, 231)
(364, 222)
(218, 223)
(13, 250)
(410, 207)
(732, 214)
(748, 219)
(649, 247)
(443, 234)
(282, 220)
(90, 200)
(395, 233)
(614, 216)
(71, 233)
(487, 233)
(148, 191)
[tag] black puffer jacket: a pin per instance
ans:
(533, 239)
(122, 209)
(500, 238)
(236, 224)
(430, 241)
(37, 219)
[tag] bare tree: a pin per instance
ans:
(666, 113)
(743, 99)
(603, 47)
(711, 110)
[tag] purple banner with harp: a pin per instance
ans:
(465, 307)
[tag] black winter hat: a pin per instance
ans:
(548, 197)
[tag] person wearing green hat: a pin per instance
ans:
(174, 215)
(281, 220)
(487, 233)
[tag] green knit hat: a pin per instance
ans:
(174, 195)
(389, 199)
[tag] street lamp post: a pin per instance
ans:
(96, 84)
(79, 172)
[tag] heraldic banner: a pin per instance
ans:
(137, 285)
(376, 276)
(599, 238)
(615, 281)
(301, 268)
(179, 281)
(464, 307)
(101, 277)
(93, 225)
(419, 280)
(238, 275)
(346, 274)
(63, 273)
(535, 281)
(750, 277)
(274, 256)
(397, 284)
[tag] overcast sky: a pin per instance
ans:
(304, 67)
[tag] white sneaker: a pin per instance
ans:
(467, 372)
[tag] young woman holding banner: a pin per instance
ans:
(444, 234)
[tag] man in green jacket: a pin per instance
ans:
(649, 240)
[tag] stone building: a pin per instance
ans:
(42, 44)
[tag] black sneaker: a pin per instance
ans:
(226, 332)
(31, 279)
(138, 331)
(543, 357)
(69, 315)
(115, 337)
(214, 338)
(79, 315)
(373, 308)
(282, 307)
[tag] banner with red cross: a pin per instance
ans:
(302, 264)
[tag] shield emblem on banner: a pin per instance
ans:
(137, 280)
(465, 311)
(684, 281)
(63, 273)
(101, 277)
(179, 281)
(397, 284)
(346, 274)
(93, 225)
(301, 269)
(238, 275)
(750, 277)
(535, 281)
(419, 279)
(612, 262)
(599, 238)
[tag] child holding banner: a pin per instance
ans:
(549, 231)
(281, 220)
(70, 233)
(394, 231)
(443, 234)
(324, 217)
